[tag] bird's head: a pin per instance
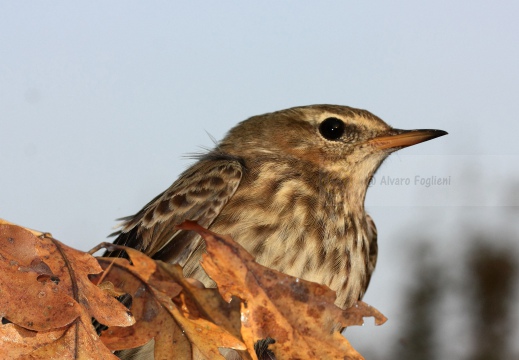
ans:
(344, 142)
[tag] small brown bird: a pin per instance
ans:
(289, 186)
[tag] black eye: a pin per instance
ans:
(332, 128)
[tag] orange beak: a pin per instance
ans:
(397, 139)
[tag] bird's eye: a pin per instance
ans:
(332, 128)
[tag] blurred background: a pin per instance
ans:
(99, 101)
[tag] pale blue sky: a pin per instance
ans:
(99, 101)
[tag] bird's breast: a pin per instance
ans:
(301, 224)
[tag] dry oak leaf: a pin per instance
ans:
(48, 301)
(196, 301)
(163, 309)
(299, 315)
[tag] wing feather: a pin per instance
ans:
(199, 194)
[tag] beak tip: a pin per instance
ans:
(405, 138)
(438, 133)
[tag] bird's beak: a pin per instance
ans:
(397, 139)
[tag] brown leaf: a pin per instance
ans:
(165, 311)
(34, 232)
(198, 301)
(20, 341)
(75, 271)
(151, 318)
(299, 315)
(76, 342)
(26, 301)
(49, 299)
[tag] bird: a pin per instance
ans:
(289, 186)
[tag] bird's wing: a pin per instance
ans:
(373, 248)
(199, 194)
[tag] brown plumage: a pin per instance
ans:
(290, 187)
